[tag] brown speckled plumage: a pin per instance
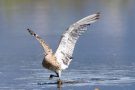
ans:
(49, 60)
(51, 63)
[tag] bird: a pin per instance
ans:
(60, 59)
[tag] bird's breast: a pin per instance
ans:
(51, 63)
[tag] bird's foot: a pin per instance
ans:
(51, 77)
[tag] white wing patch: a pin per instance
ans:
(69, 38)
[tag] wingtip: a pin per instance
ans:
(28, 30)
(97, 15)
(31, 32)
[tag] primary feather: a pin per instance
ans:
(69, 38)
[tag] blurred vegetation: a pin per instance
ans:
(63, 3)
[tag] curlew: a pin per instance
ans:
(60, 60)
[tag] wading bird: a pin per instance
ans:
(60, 60)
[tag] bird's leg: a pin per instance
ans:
(59, 81)
(58, 74)
(51, 76)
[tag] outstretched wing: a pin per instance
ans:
(46, 48)
(68, 40)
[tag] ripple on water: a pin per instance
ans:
(86, 76)
(73, 77)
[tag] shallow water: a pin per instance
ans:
(103, 57)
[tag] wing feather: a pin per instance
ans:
(46, 48)
(69, 38)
